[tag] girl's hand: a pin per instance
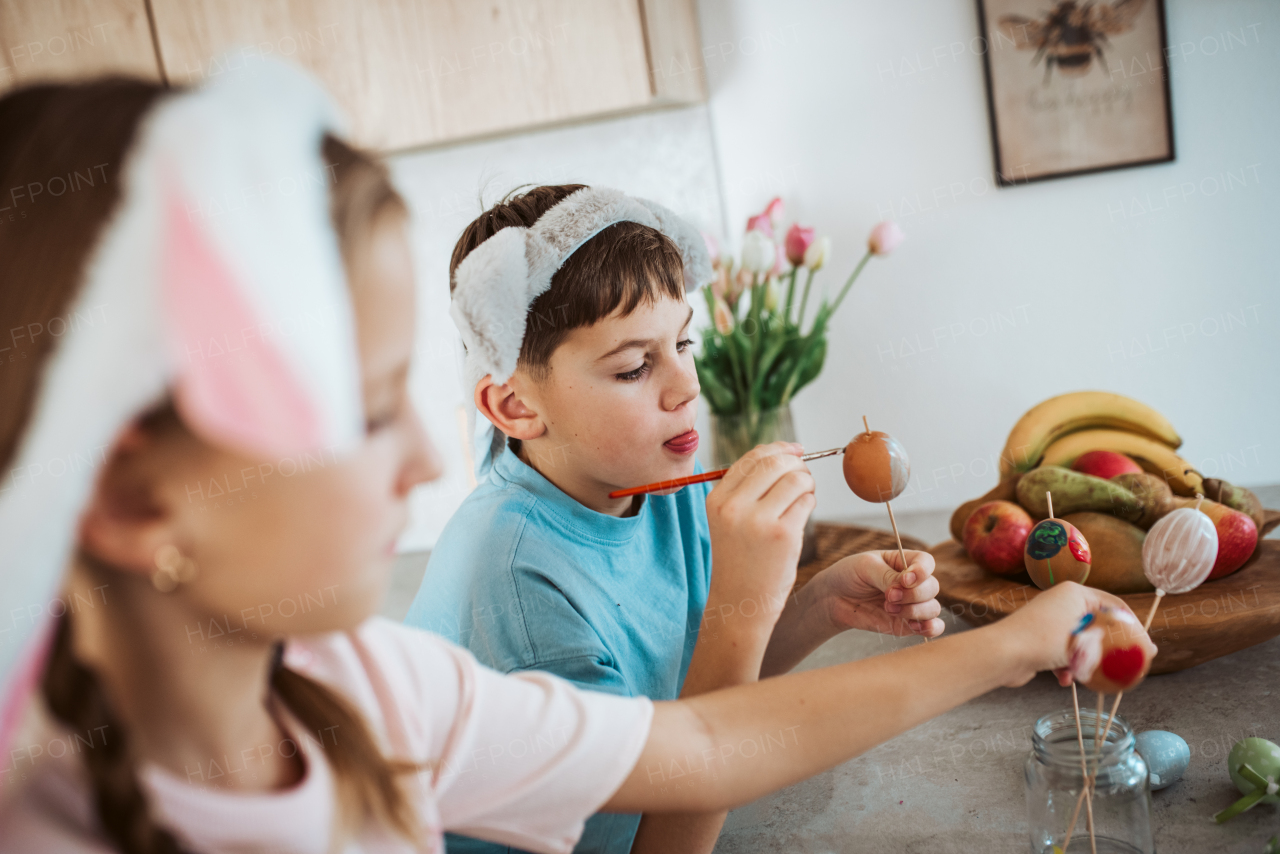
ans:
(869, 591)
(1040, 631)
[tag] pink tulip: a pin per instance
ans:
(774, 210)
(779, 261)
(798, 241)
(885, 238)
(720, 282)
(723, 317)
(713, 247)
(762, 224)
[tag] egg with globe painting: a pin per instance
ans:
(1055, 552)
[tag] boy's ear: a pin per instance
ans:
(125, 524)
(508, 412)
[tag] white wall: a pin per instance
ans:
(865, 113)
(666, 156)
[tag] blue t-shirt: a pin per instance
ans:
(529, 579)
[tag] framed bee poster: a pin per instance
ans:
(1075, 86)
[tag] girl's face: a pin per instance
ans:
(295, 545)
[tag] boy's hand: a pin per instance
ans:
(868, 591)
(1040, 631)
(756, 514)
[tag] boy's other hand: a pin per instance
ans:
(1039, 632)
(757, 514)
(869, 591)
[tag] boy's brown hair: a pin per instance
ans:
(620, 268)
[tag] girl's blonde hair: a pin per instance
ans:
(81, 134)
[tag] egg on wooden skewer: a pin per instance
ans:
(1110, 651)
(876, 466)
(877, 469)
(1056, 551)
(1177, 556)
(1179, 552)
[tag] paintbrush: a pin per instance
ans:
(663, 485)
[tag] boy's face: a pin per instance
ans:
(618, 405)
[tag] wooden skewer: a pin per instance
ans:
(1084, 770)
(893, 523)
(1146, 627)
(703, 478)
(1097, 761)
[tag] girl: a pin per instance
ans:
(217, 682)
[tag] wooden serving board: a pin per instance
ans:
(1217, 618)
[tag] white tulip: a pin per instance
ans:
(816, 255)
(758, 253)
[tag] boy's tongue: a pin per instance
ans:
(685, 443)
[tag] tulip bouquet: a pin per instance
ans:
(758, 353)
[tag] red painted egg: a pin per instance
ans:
(1110, 651)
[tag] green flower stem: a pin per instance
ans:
(804, 300)
(791, 292)
(849, 282)
(737, 372)
(757, 333)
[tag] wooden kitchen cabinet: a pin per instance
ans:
(61, 39)
(426, 72)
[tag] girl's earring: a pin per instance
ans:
(172, 568)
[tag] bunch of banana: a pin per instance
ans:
(1153, 456)
(1062, 428)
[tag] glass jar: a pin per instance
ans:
(1121, 798)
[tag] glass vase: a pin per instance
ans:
(1121, 797)
(732, 436)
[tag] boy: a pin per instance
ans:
(540, 569)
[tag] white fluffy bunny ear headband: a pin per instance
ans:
(220, 244)
(497, 283)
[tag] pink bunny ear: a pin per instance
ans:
(233, 386)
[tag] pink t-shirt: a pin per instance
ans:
(521, 760)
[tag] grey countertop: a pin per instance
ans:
(955, 784)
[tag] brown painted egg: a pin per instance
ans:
(1056, 551)
(1110, 651)
(876, 467)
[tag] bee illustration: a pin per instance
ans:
(1072, 33)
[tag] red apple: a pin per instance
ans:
(995, 536)
(1237, 537)
(1105, 464)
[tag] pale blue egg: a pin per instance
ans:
(1166, 754)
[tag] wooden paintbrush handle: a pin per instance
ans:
(670, 484)
(702, 478)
